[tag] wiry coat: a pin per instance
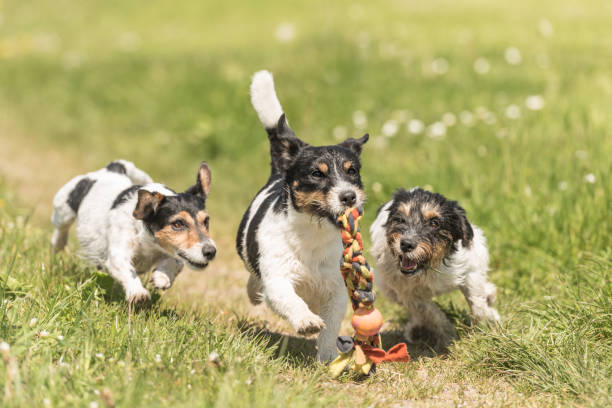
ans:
(463, 265)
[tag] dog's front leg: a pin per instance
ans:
(333, 310)
(165, 272)
(280, 295)
(119, 266)
(480, 295)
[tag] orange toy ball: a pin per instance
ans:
(367, 322)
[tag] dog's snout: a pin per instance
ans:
(407, 245)
(348, 198)
(209, 251)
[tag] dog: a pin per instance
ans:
(126, 224)
(424, 246)
(288, 238)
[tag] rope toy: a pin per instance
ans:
(361, 352)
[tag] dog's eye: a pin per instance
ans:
(178, 225)
(317, 174)
(206, 222)
(434, 222)
(351, 171)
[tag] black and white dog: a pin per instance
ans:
(288, 238)
(425, 246)
(127, 224)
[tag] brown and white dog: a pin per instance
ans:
(126, 224)
(425, 246)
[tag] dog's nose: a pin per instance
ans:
(209, 251)
(407, 245)
(348, 198)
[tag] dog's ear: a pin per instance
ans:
(355, 145)
(147, 204)
(203, 181)
(284, 146)
(465, 228)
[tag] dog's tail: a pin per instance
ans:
(284, 145)
(129, 169)
(264, 99)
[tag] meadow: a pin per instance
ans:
(503, 106)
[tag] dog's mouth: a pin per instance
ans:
(192, 263)
(408, 266)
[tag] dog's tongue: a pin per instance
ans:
(408, 264)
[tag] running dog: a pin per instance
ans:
(126, 224)
(288, 238)
(425, 246)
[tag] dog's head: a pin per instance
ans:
(322, 181)
(179, 223)
(423, 228)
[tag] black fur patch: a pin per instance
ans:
(252, 246)
(125, 195)
(116, 167)
(79, 192)
(172, 205)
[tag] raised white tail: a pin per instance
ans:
(264, 99)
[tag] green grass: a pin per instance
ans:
(166, 86)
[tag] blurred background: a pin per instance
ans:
(503, 106)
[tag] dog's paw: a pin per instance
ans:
(487, 316)
(309, 325)
(137, 295)
(160, 280)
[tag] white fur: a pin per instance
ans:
(301, 281)
(466, 269)
(264, 99)
(113, 238)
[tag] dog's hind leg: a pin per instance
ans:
(332, 312)
(254, 289)
(64, 211)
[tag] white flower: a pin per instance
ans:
(528, 191)
(93, 404)
(481, 151)
(513, 56)
(60, 337)
(589, 178)
(100, 356)
(563, 185)
(192, 372)
(482, 66)
(416, 126)
(513, 112)
(467, 118)
(158, 358)
(534, 102)
(546, 28)
(340, 133)
(285, 32)
(43, 333)
(360, 120)
(439, 66)
(33, 322)
(449, 119)
(376, 187)
(581, 154)
(4, 348)
(46, 402)
(390, 128)
(436, 130)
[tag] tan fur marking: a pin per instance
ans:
(347, 165)
(168, 238)
(201, 216)
(323, 167)
(313, 200)
(428, 207)
(429, 214)
(295, 184)
(405, 208)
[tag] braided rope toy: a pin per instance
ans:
(361, 352)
